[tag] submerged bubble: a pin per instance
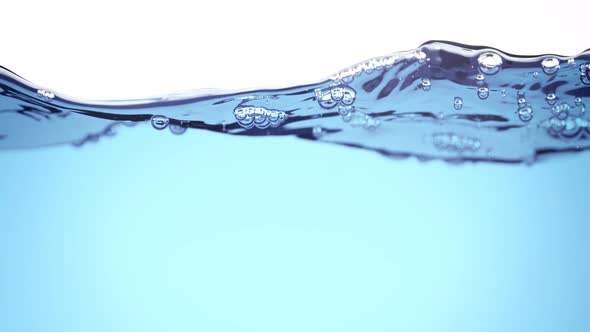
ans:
(551, 99)
(536, 74)
(160, 122)
(550, 65)
(259, 117)
(525, 113)
(521, 102)
(426, 84)
(454, 142)
(489, 63)
(585, 73)
(317, 132)
(578, 101)
(458, 103)
(560, 111)
(483, 93)
(479, 78)
(177, 129)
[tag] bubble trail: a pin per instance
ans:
(442, 100)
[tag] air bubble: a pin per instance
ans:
(337, 93)
(550, 65)
(46, 95)
(525, 113)
(483, 93)
(177, 129)
(536, 74)
(551, 99)
(348, 97)
(557, 125)
(426, 84)
(343, 110)
(317, 132)
(503, 91)
(480, 78)
(585, 73)
(160, 122)
(489, 63)
(560, 111)
(521, 102)
(578, 101)
(259, 117)
(458, 103)
(421, 56)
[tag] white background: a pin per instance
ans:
(128, 49)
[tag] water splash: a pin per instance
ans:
(440, 101)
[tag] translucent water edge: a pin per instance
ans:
(442, 100)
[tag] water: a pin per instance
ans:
(222, 211)
(498, 98)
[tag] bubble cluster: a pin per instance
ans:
(566, 120)
(458, 103)
(339, 95)
(160, 122)
(46, 94)
(489, 63)
(259, 117)
(483, 93)
(550, 65)
(347, 75)
(455, 143)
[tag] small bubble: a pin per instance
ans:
(578, 101)
(503, 91)
(550, 65)
(551, 99)
(317, 132)
(177, 129)
(571, 61)
(480, 78)
(489, 63)
(483, 93)
(426, 84)
(536, 74)
(520, 93)
(521, 102)
(160, 122)
(525, 113)
(458, 103)
(343, 110)
(337, 93)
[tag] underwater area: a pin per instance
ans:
(443, 188)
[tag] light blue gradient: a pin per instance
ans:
(206, 232)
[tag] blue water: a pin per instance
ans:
(111, 222)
